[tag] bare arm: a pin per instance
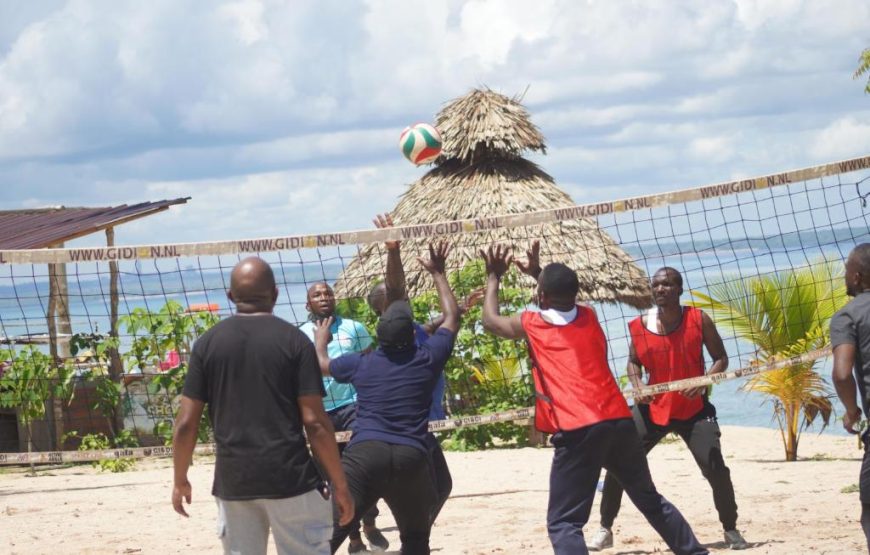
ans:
(715, 346)
(844, 383)
(395, 278)
(183, 442)
(322, 337)
(716, 350)
(436, 266)
(508, 327)
(634, 369)
(321, 436)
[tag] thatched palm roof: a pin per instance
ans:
(481, 174)
(484, 123)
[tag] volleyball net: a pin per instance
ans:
(94, 342)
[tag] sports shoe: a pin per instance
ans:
(358, 548)
(376, 539)
(602, 539)
(734, 540)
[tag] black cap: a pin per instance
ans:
(396, 327)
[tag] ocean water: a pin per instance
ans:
(24, 299)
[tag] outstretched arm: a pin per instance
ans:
(183, 442)
(395, 278)
(497, 263)
(436, 266)
(321, 436)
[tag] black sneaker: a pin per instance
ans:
(358, 548)
(377, 539)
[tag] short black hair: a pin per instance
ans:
(678, 277)
(378, 290)
(560, 281)
(861, 255)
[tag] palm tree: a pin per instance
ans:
(783, 315)
(863, 67)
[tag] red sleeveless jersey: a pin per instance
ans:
(571, 374)
(670, 357)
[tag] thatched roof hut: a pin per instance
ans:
(481, 173)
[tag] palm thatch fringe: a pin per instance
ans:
(484, 123)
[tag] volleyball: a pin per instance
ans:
(420, 143)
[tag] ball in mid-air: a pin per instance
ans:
(420, 143)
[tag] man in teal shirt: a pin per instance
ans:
(348, 336)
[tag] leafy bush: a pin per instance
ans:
(99, 442)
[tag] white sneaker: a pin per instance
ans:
(734, 540)
(602, 539)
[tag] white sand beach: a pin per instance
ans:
(498, 504)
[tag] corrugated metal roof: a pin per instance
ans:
(44, 227)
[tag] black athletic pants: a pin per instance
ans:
(440, 475)
(864, 489)
(401, 476)
(701, 434)
(342, 420)
(577, 463)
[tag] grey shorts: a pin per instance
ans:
(301, 525)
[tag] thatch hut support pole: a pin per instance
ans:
(116, 368)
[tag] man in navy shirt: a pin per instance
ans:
(388, 454)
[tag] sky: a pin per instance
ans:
(282, 118)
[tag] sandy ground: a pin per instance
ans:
(498, 504)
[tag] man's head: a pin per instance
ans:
(320, 301)
(396, 327)
(667, 286)
(377, 298)
(252, 286)
(858, 270)
(557, 287)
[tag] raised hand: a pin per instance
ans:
(322, 335)
(532, 267)
(437, 261)
(497, 259)
(473, 299)
(383, 221)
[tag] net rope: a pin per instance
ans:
(77, 373)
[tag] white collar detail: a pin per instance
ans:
(558, 317)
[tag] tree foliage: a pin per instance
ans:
(863, 68)
(783, 315)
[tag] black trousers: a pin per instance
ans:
(701, 434)
(440, 475)
(342, 420)
(577, 463)
(400, 475)
(864, 489)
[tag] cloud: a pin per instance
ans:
(845, 137)
(278, 116)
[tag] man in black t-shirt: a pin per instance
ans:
(850, 339)
(260, 378)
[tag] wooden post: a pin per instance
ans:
(116, 368)
(59, 331)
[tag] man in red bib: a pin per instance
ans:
(580, 403)
(668, 343)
